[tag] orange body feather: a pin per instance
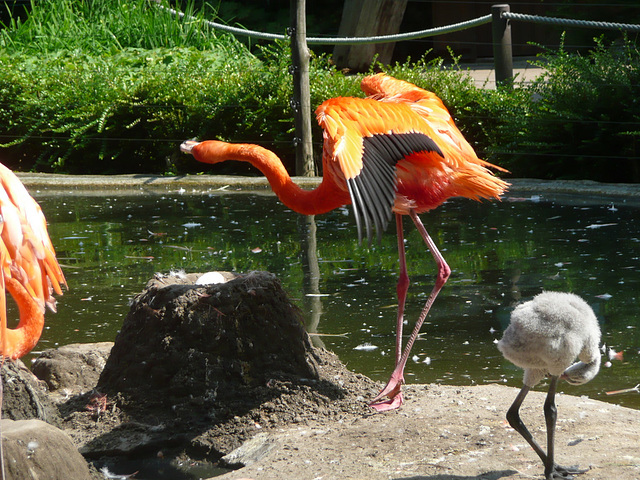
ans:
(424, 179)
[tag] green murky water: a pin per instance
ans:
(499, 252)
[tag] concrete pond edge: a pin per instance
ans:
(45, 184)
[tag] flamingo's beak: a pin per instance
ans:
(188, 145)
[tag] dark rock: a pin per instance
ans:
(26, 397)
(129, 439)
(72, 369)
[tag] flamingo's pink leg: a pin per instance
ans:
(401, 288)
(393, 388)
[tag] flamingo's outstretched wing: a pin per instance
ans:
(430, 108)
(364, 139)
(398, 122)
(27, 260)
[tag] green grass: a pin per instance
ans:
(106, 26)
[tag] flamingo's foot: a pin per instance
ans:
(564, 473)
(393, 390)
(392, 403)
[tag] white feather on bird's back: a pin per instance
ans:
(548, 333)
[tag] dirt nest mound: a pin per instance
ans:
(205, 367)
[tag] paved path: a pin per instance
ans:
(483, 72)
(449, 433)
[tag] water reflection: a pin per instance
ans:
(500, 252)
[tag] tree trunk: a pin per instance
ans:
(365, 18)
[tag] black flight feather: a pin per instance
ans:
(373, 190)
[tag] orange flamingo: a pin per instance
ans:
(396, 151)
(30, 270)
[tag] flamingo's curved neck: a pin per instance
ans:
(21, 340)
(327, 196)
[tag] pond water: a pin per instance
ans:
(499, 253)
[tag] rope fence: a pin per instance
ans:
(568, 22)
(501, 33)
(500, 19)
(430, 32)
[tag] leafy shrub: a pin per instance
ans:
(101, 99)
(74, 112)
(579, 120)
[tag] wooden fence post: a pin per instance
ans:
(502, 53)
(301, 92)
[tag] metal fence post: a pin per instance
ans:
(502, 53)
(301, 90)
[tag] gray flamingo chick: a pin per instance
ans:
(545, 336)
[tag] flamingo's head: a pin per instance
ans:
(581, 372)
(188, 145)
(210, 151)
